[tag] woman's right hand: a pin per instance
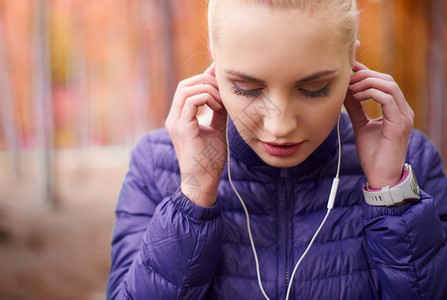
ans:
(201, 150)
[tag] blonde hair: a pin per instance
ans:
(343, 14)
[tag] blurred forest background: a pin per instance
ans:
(82, 80)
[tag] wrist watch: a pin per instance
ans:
(406, 190)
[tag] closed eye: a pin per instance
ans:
(247, 93)
(316, 94)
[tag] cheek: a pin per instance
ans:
(323, 116)
(232, 103)
(225, 91)
(340, 96)
(334, 103)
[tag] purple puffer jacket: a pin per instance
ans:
(166, 247)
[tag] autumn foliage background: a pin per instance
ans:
(82, 80)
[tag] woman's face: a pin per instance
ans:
(283, 78)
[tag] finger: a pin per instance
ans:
(358, 66)
(389, 106)
(389, 87)
(192, 104)
(185, 92)
(362, 74)
(219, 120)
(355, 111)
(211, 69)
(201, 88)
(199, 79)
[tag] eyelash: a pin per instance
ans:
(257, 92)
(316, 94)
(246, 93)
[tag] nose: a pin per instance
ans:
(282, 123)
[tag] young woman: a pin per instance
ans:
(282, 71)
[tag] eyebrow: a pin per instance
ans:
(316, 75)
(243, 76)
(305, 79)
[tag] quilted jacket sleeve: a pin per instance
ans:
(408, 242)
(161, 248)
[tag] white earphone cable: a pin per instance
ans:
(329, 208)
(247, 216)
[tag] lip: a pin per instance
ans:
(281, 150)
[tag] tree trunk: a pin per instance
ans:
(43, 102)
(437, 95)
(7, 106)
(142, 85)
(168, 43)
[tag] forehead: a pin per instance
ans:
(267, 39)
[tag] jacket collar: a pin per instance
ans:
(323, 157)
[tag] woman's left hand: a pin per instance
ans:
(381, 143)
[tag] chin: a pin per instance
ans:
(282, 162)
